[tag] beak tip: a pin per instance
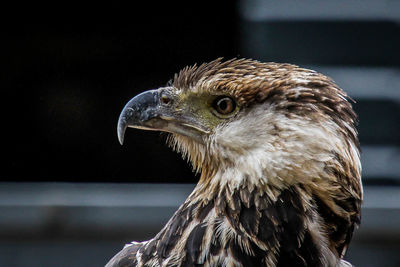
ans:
(136, 111)
(121, 131)
(121, 140)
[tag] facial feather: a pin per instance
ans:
(288, 115)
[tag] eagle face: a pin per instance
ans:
(273, 122)
(262, 135)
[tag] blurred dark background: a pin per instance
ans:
(71, 195)
(66, 82)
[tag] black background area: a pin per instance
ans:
(66, 79)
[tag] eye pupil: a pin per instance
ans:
(224, 105)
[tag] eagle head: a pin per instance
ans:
(278, 153)
(257, 123)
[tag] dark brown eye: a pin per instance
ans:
(224, 105)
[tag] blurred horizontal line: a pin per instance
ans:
(381, 197)
(259, 10)
(93, 194)
(365, 82)
(380, 161)
(136, 195)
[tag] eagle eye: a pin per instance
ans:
(224, 105)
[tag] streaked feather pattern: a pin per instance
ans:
(280, 182)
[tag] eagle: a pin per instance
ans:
(279, 161)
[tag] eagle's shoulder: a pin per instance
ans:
(126, 257)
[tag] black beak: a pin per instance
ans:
(139, 112)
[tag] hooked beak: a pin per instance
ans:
(147, 112)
